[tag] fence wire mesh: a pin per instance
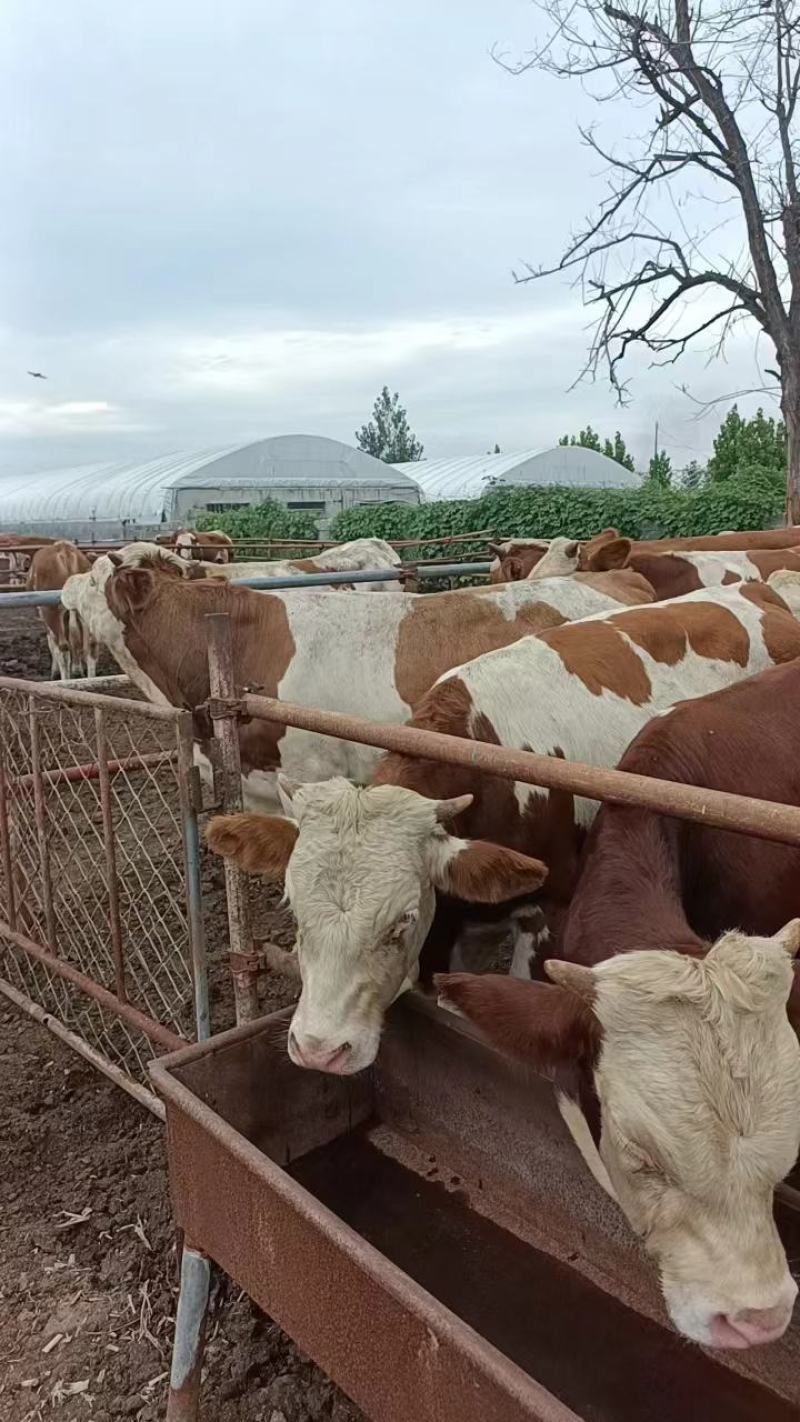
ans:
(97, 865)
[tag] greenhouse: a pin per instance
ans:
(105, 502)
(469, 477)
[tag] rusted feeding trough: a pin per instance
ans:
(425, 1232)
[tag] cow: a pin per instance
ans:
(362, 555)
(670, 992)
(361, 864)
(669, 574)
(208, 545)
(517, 557)
(73, 650)
(350, 654)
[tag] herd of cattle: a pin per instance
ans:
(652, 974)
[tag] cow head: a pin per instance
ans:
(361, 868)
(695, 1070)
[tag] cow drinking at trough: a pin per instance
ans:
(361, 865)
(73, 649)
(371, 656)
(666, 1031)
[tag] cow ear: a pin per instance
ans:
(261, 844)
(544, 1026)
(287, 789)
(479, 872)
(613, 554)
(116, 559)
(513, 570)
(496, 550)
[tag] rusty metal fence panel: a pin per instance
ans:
(100, 915)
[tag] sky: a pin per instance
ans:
(223, 222)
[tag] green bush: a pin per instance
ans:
(754, 498)
(268, 520)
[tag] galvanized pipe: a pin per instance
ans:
(57, 691)
(96, 1059)
(162, 1036)
(243, 961)
(739, 813)
(190, 1330)
(297, 580)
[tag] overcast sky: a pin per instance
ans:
(228, 221)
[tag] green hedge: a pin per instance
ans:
(267, 520)
(754, 499)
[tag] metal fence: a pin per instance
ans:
(100, 917)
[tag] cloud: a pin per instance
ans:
(38, 418)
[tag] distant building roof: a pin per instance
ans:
(466, 478)
(142, 493)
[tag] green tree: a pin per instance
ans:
(745, 444)
(659, 472)
(590, 439)
(388, 435)
(694, 475)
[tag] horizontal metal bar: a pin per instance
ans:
(91, 771)
(155, 1031)
(739, 813)
(61, 691)
(297, 580)
(84, 1049)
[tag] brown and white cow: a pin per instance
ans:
(373, 657)
(516, 558)
(19, 561)
(73, 650)
(667, 1034)
(361, 555)
(363, 864)
(209, 545)
(669, 574)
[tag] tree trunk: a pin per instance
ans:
(790, 404)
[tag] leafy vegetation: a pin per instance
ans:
(613, 449)
(267, 520)
(757, 443)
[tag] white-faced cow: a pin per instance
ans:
(362, 865)
(362, 555)
(210, 545)
(667, 1036)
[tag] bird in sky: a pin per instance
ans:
(37, 375)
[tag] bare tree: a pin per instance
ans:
(717, 86)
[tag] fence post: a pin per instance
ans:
(225, 716)
(190, 804)
(5, 842)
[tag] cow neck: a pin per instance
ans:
(628, 896)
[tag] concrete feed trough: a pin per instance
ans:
(428, 1234)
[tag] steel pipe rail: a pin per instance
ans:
(738, 813)
(300, 580)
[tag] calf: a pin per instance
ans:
(361, 865)
(672, 991)
(374, 657)
(73, 649)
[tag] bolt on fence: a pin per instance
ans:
(101, 915)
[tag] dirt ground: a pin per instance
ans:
(88, 1267)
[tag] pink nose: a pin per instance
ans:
(317, 1055)
(751, 1327)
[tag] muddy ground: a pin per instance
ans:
(88, 1267)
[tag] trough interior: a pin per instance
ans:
(459, 1170)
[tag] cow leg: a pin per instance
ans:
(52, 643)
(90, 656)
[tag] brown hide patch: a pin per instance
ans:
(598, 655)
(624, 585)
(667, 633)
(729, 576)
(668, 573)
(774, 560)
(779, 627)
(446, 630)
